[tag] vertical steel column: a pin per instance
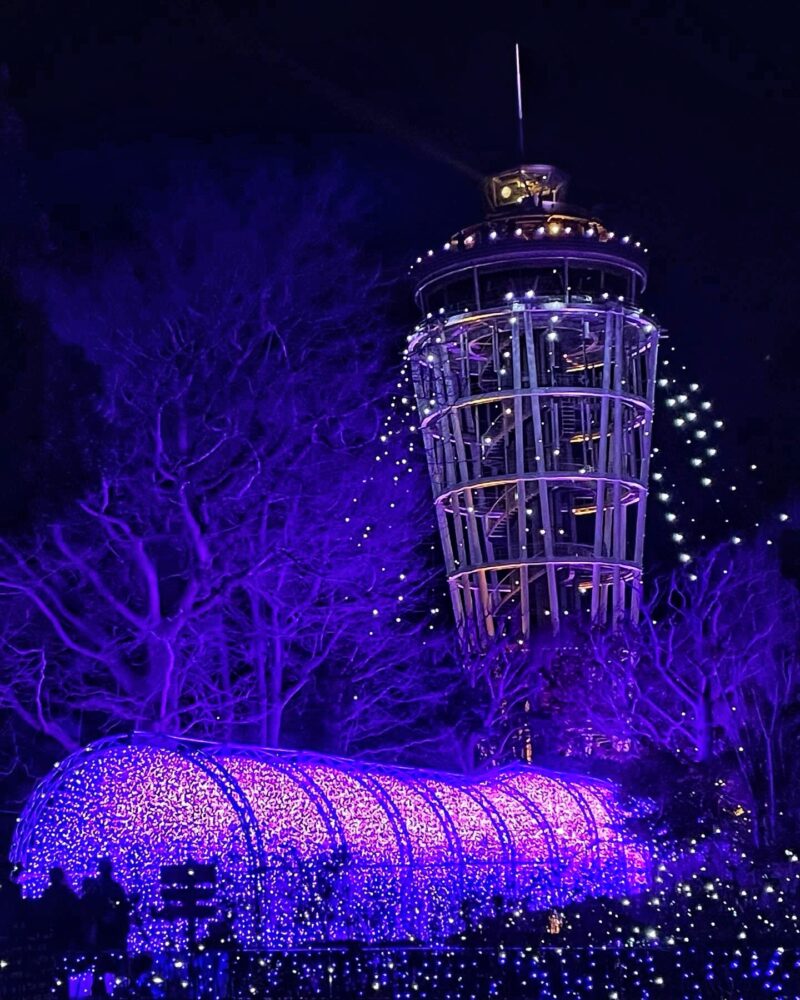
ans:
(541, 468)
(598, 594)
(519, 463)
(618, 529)
(644, 466)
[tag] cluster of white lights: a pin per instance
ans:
(692, 416)
(552, 229)
(400, 457)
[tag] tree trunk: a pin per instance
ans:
(275, 682)
(704, 714)
(161, 658)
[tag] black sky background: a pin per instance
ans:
(676, 121)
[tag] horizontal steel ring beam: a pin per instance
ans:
(532, 477)
(552, 561)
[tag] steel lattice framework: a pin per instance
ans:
(534, 372)
(315, 848)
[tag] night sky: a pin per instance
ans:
(675, 121)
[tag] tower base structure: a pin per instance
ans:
(313, 849)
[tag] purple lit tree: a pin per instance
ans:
(494, 698)
(710, 676)
(239, 536)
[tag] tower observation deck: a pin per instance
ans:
(534, 372)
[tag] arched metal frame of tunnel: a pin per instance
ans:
(395, 851)
(534, 373)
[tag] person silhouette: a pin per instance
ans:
(59, 910)
(89, 913)
(112, 908)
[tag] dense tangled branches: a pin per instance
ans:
(702, 695)
(238, 552)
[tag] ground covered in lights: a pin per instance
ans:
(536, 972)
(558, 973)
(694, 937)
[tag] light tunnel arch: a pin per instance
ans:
(143, 803)
(313, 848)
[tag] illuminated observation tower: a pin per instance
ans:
(534, 372)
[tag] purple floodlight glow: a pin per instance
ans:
(312, 848)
